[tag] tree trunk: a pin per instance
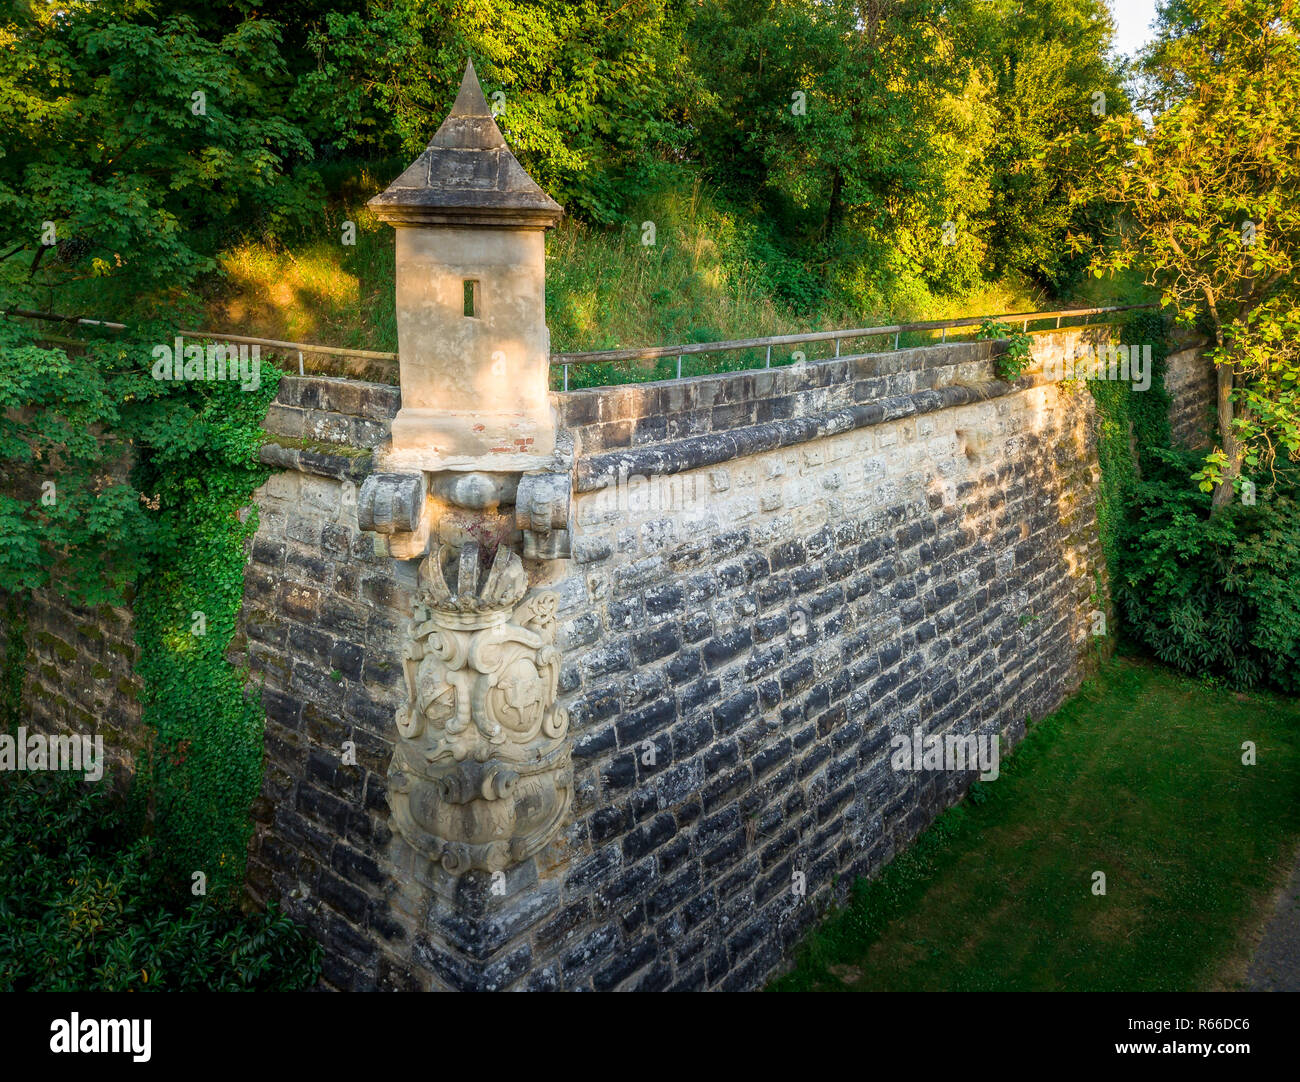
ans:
(835, 212)
(1224, 492)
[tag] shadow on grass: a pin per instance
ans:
(1139, 776)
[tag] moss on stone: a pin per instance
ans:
(290, 443)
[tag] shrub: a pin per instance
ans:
(1016, 357)
(1217, 597)
(82, 907)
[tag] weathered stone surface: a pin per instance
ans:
(481, 777)
(1190, 381)
(471, 301)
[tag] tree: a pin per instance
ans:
(1210, 190)
(1052, 78)
(131, 143)
(580, 88)
(127, 138)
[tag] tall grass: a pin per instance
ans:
(711, 271)
(714, 271)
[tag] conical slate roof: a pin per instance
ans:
(467, 175)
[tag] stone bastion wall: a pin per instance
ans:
(772, 575)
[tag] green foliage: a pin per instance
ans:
(105, 139)
(69, 516)
(1149, 409)
(929, 140)
(584, 86)
(1128, 419)
(81, 909)
(13, 626)
(204, 769)
(1216, 596)
(1016, 357)
(1114, 400)
(927, 149)
(169, 527)
(1051, 77)
(1210, 191)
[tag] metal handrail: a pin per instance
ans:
(686, 348)
(339, 351)
(648, 352)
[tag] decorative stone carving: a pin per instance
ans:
(481, 776)
(391, 502)
(542, 513)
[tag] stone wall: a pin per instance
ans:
(818, 560)
(78, 666)
(1190, 381)
(773, 573)
(80, 677)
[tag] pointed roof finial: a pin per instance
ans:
(467, 175)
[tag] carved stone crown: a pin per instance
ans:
(455, 584)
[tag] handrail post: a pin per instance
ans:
(769, 357)
(837, 347)
(566, 377)
(896, 334)
(679, 366)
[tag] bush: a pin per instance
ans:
(82, 907)
(1217, 597)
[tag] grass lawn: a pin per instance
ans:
(1139, 776)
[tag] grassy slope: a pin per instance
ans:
(715, 272)
(1139, 776)
(704, 279)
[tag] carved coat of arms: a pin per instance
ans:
(481, 776)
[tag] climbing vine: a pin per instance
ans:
(129, 490)
(13, 627)
(1131, 425)
(204, 768)
(1149, 409)
(1016, 357)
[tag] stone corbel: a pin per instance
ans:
(542, 514)
(394, 506)
(481, 774)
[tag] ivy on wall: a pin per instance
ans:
(1131, 425)
(1149, 409)
(204, 770)
(13, 627)
(149, 485)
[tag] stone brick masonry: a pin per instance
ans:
(80, 677)
(773, 573)
(1190, 381)
(808, 577)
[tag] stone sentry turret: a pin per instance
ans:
(475, 485)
